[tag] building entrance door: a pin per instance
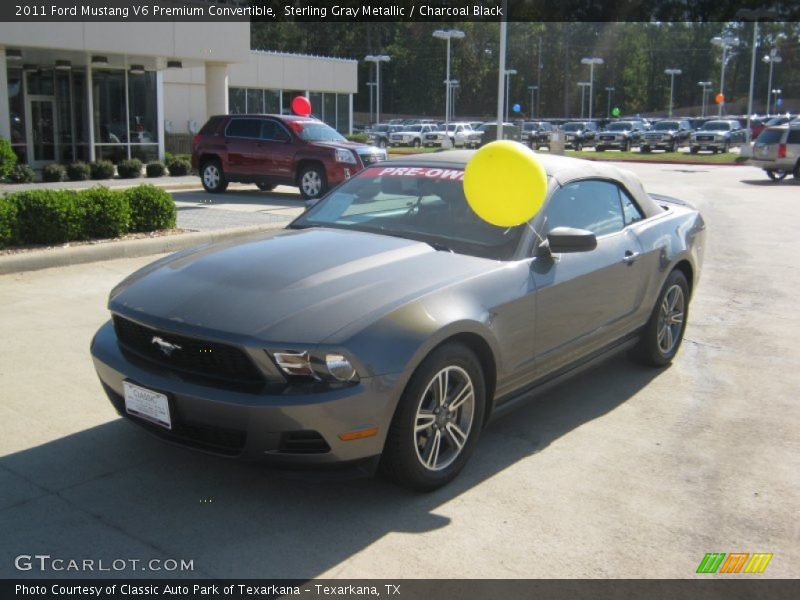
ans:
(42, 130)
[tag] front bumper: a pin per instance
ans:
(778, 164)
(285, 429)
(709, 144)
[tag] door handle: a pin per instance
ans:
(630, 257)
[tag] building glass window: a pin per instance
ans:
(110, 114)
(329, 111)
(16, 110)
(272, 102)
(255, 101)
(237, 101)
(342, 112)
(288, 96)
(316, 104)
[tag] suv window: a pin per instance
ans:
(794, 136)
(270, 130)
(770, 136)
(211, 126)
(597, 206)
(245, 128)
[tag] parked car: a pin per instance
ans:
(487, 132)
(668, 135)
(536, 134)
(621, 135)
(777, 151)
(379, 134)
(458, 133)
(410, 135)
(578, 134)
(271, 150)
(388, 323)
(719, 135)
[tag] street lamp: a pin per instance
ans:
(583, 85)
(726, 43)
(772, 58)
(452, 84)
(706, 85)
(532, 89)
(754, 15)
(448, 34)
(610, 91)
(371, 85)
(672, 73)
(509, 73)
(591, 61)
(377, 59)
(776, 99)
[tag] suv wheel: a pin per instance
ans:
(776, 174)
(694, 150)
(213, 177)
(416, 143)
(796, 173)
(266, 187)
(726, 148)
(673, 147)
(312, 182)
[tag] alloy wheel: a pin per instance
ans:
(311, 183)
(670, 319)
(211, 176)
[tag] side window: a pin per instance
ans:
(270, 130)
(244, 128)
(794, 136)
(630, 211)
(593, 205)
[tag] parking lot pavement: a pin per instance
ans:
(622, 472)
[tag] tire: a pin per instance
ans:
(644, 149)
(411, 458)
(796, 172)
(777, 174)
(626, 147)
(600, 149)
(726, 148)
(266, 187)
(673, 147)
(212, 177)
(694, 150)
(578, 147)
(416, 143)
(312, 182)
(663, 334)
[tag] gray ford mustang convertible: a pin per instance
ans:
(388, 323)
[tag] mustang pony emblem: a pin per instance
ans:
(165, 346)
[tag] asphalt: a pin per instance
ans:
(622, 472)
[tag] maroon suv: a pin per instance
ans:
(271, 150)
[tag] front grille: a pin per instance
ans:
(303, 442)
(607, 138)
(202, 358)
(705, 138)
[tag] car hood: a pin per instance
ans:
(357, 146)
(292, 286)
(714, 131)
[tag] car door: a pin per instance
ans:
(242, 136)
(586, 300)
(276, 150)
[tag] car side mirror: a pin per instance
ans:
(569, 239)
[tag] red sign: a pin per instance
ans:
(419, 172)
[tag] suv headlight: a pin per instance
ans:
(318, 366)
(344, 155)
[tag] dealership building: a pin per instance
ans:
(98, 90)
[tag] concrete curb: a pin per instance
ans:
(62, 257)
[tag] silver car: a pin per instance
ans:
(388, 324)
(777, 151)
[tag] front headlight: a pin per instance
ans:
(343, 155)
(326, 366)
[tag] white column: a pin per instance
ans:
(350, 113)
(160, 112)
(90, 111)
(216, 89)
(5, 115)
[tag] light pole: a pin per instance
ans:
(755, 15)
(377, 59)
(771, 58)
(583, 85)
(610, 91)
(726, 43)
(532, 89)
(591, 61)
(776, 99)
(447, 34)
(706, 85)
(453, 85)
(371, 85)
(672, 73)
(509, 73)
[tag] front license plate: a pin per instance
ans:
(146, 404)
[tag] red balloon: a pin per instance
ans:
(720, 98)
(301, 106)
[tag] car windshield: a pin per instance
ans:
(414, 128)
(418, 203)
(573, 127)
(381, 128)
(666, 126)
(317, 132)
(620, 127)
(717, 126)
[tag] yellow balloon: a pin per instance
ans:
(504, 183)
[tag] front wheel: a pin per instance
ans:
(578, 146)
(416, 143)
(438, 420)
(312, 182)
(694, 150)
(266, 187)
(726, 148)
(663, 333)
(776, 174)
(213, 177)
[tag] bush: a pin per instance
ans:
(151, 208)
(106, 213)
(78, 171)
(54, 172)
(8, 222)
(102, 169)
(22, 173)
(358, 137)
(179, 166)
(8, 159)
(156, 169)
(46, 216)
(129, 169)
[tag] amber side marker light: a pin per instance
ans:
(359, 434)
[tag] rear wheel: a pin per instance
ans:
(777, 174)
(213, 177)
(644, 149)
(796, 173)
(438, 420)
(312, 182)
(266, 187)
(663, 333)
(600, 149)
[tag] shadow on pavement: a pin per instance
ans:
(769, 183)
(114, 492)
(242, 196)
